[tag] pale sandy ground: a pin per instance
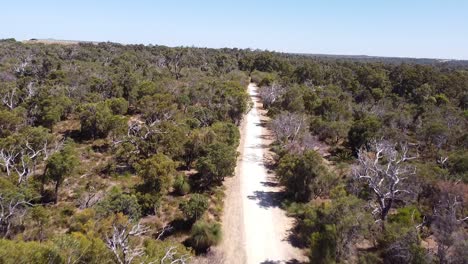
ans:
(255, 229)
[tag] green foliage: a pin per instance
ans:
(181, 185)
(406, 249)
(331, 230)
(362, 131)
(458, 163)
(226, 133)
(304, 175)
(10, 122)
(118, 106)
(27, 252)
(96, 120)
(61, 165)
(79, 248)
(308, 72)
(52, 108)
(118, 202)
(158, 174)
(218, 162)
(194, 208)
(155, 250)
(204, 235)
(184, 104)
(406, 216)
(370, 258)
(75, 247)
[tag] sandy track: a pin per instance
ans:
(255, 228)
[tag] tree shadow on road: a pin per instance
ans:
(268, 199)
(291, 261)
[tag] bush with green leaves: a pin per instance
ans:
(118, 105)
(332, 229)
(155, 250)
(304, 175)
(181, 185)
(218, 162)
(116, 201)
(98, 121)
(194, 208)
(363, 131)
(158, 174)
(203, 235)
(61, 165)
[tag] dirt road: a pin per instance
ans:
(255, 228)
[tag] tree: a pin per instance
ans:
(52, 108)
(61, 165)
(10, 122)
(309, 72)
(118, 106)
(363, 131)
(194, 208)
(157, 108)
(204, 235)
(20, 152)
(384, 169)
(10, 95)
(14, 201)
(288, 126)
(97, 121)
(175, 60)
(304, 175)
(226, 133)
(34, 252)
(158, 174)
(119, 240)
(165, 252)
(218, 162)
(447, 223)
(181, 185)
(332, 229)
(270, 94)
(116, 202)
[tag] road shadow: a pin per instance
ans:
(295, 237)
(259, 146)
(269, 184)
(267, 199)
(262, 123)
(291, 261)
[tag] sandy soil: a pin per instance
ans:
(255, 228)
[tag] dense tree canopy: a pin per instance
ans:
(130, 132)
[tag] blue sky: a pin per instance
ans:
(404, 28)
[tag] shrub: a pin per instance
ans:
(218, 163)
(194, 208)
(181, 186)
(204, 235)
(118, 202)
(304, 175)
(362, 131)
(118, 106)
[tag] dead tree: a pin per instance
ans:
(9, 96)
(7, 158)
(119, 242)
(288, 126)
(448, 223)
(11, 208)
(21, 155)
(270, 94)
(174, 60)
(384, 170)
(171, 257)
